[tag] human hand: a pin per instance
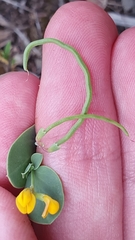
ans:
(96, 165)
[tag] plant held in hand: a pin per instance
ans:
(42, 186)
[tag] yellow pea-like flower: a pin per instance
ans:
(26, 201)
(51, 206)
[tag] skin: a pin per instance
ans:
(97, 164)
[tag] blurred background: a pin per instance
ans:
(23, 21)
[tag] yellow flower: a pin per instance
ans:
(26, 201)
(51, 206)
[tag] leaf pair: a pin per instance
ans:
(22, 162)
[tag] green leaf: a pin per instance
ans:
(36, 159)
(46, 181)
(19, 157)
(7, 50)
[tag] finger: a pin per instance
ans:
(13, 225)
(123, 65)
(17, 112)
(89, 163)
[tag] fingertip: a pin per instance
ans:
(76, 18)
(90, 30)
(123, 65)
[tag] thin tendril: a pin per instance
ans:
(87, 102)
(81, 116)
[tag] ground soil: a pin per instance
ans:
(23, 21)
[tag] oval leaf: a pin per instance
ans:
(37, 159)
(19, 157)
(46, 181)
